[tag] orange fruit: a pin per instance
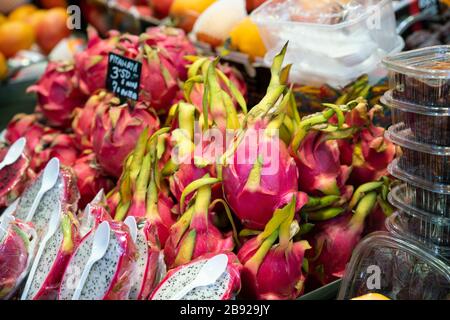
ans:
(245, 38)
(22, 12)
(51, 29)
(372, 296)
(3, 66)
(15, 36)
(3, 19)
(35, 18)
(186, 12)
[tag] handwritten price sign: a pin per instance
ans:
(124, 76)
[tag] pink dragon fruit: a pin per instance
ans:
(14, 179)
(58, 93)
(274, 271)
(115, 129)
(333, 240)
(17, 249)
(28, 126)
(55, 145)
(84, 118)
(175, 43)
(92, 63)
(110, 278)
(225, 288)
(44, 284)
(194, 235)
(159, 79)
(90, 179)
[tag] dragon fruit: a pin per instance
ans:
(58, 93)
(50, 268)
(92, 63)
(13, 179)
(159, 79)
(93, 214)
(84, 117)
(194, 235)
(55, 145)
(64, 193)
(111, 277)
(28, 126)
(17, 249)
(333, 240)
(90, 179)
(175, 43)
(274, 271)
(114, 130)
(150, 266)
(225, 288)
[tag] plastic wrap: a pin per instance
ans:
(17, 249)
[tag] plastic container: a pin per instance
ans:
(332, 42)
(421, 76)
(415, 123)
(403, 225)
(396, 268)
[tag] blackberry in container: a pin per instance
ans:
(421, 76)
(427, 162)
(429, 125)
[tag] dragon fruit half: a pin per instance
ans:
(194, 234)
(225, 288)
(333, 240)
(111, 277)
(90, 179)
(274, 271)
(58, 93)
(92, 63)
(115, 129)
(50, 268)
(64, 194)
(14, 179)
(17, 249)
(175, 43)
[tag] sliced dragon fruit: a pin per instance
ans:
(225, 288)
(13, 179)
(53, 261)
(150, 266)
(64, 193)
(17, 249)
(93, 214)
(110, 278)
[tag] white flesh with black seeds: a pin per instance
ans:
(186, 275)
(141, 265)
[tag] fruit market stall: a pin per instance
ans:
(219, 150)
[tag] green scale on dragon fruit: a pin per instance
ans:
(225, 288)
(52, 263)
(64, 192)
(102, 282)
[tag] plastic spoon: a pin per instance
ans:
(49, 178)
(209, 273)
(7, 217)
(132, 225)
(13, 153)
(53, 225)
(99, 247)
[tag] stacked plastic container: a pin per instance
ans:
(413, 258)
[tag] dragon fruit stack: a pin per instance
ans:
(186, 173)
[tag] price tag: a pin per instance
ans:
(124, 76)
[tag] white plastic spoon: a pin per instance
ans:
(132, 225)
(7, 217)
(13, 153)
(209, 273)
(99, 247)
(49, 178)
(53, 225)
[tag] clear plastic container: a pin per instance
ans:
(415, 123)
(414, 199)
(330, 41)
(406, 226)
(396, 268)
(428, 162)
(421, 76)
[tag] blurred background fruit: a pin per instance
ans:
(7, 6)
(186, 12)
(15, 36)
(48, 4)
(162, 7)
(245, 37)
(22, 12)
(51, 29)
(3, 66)
(2, 19)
